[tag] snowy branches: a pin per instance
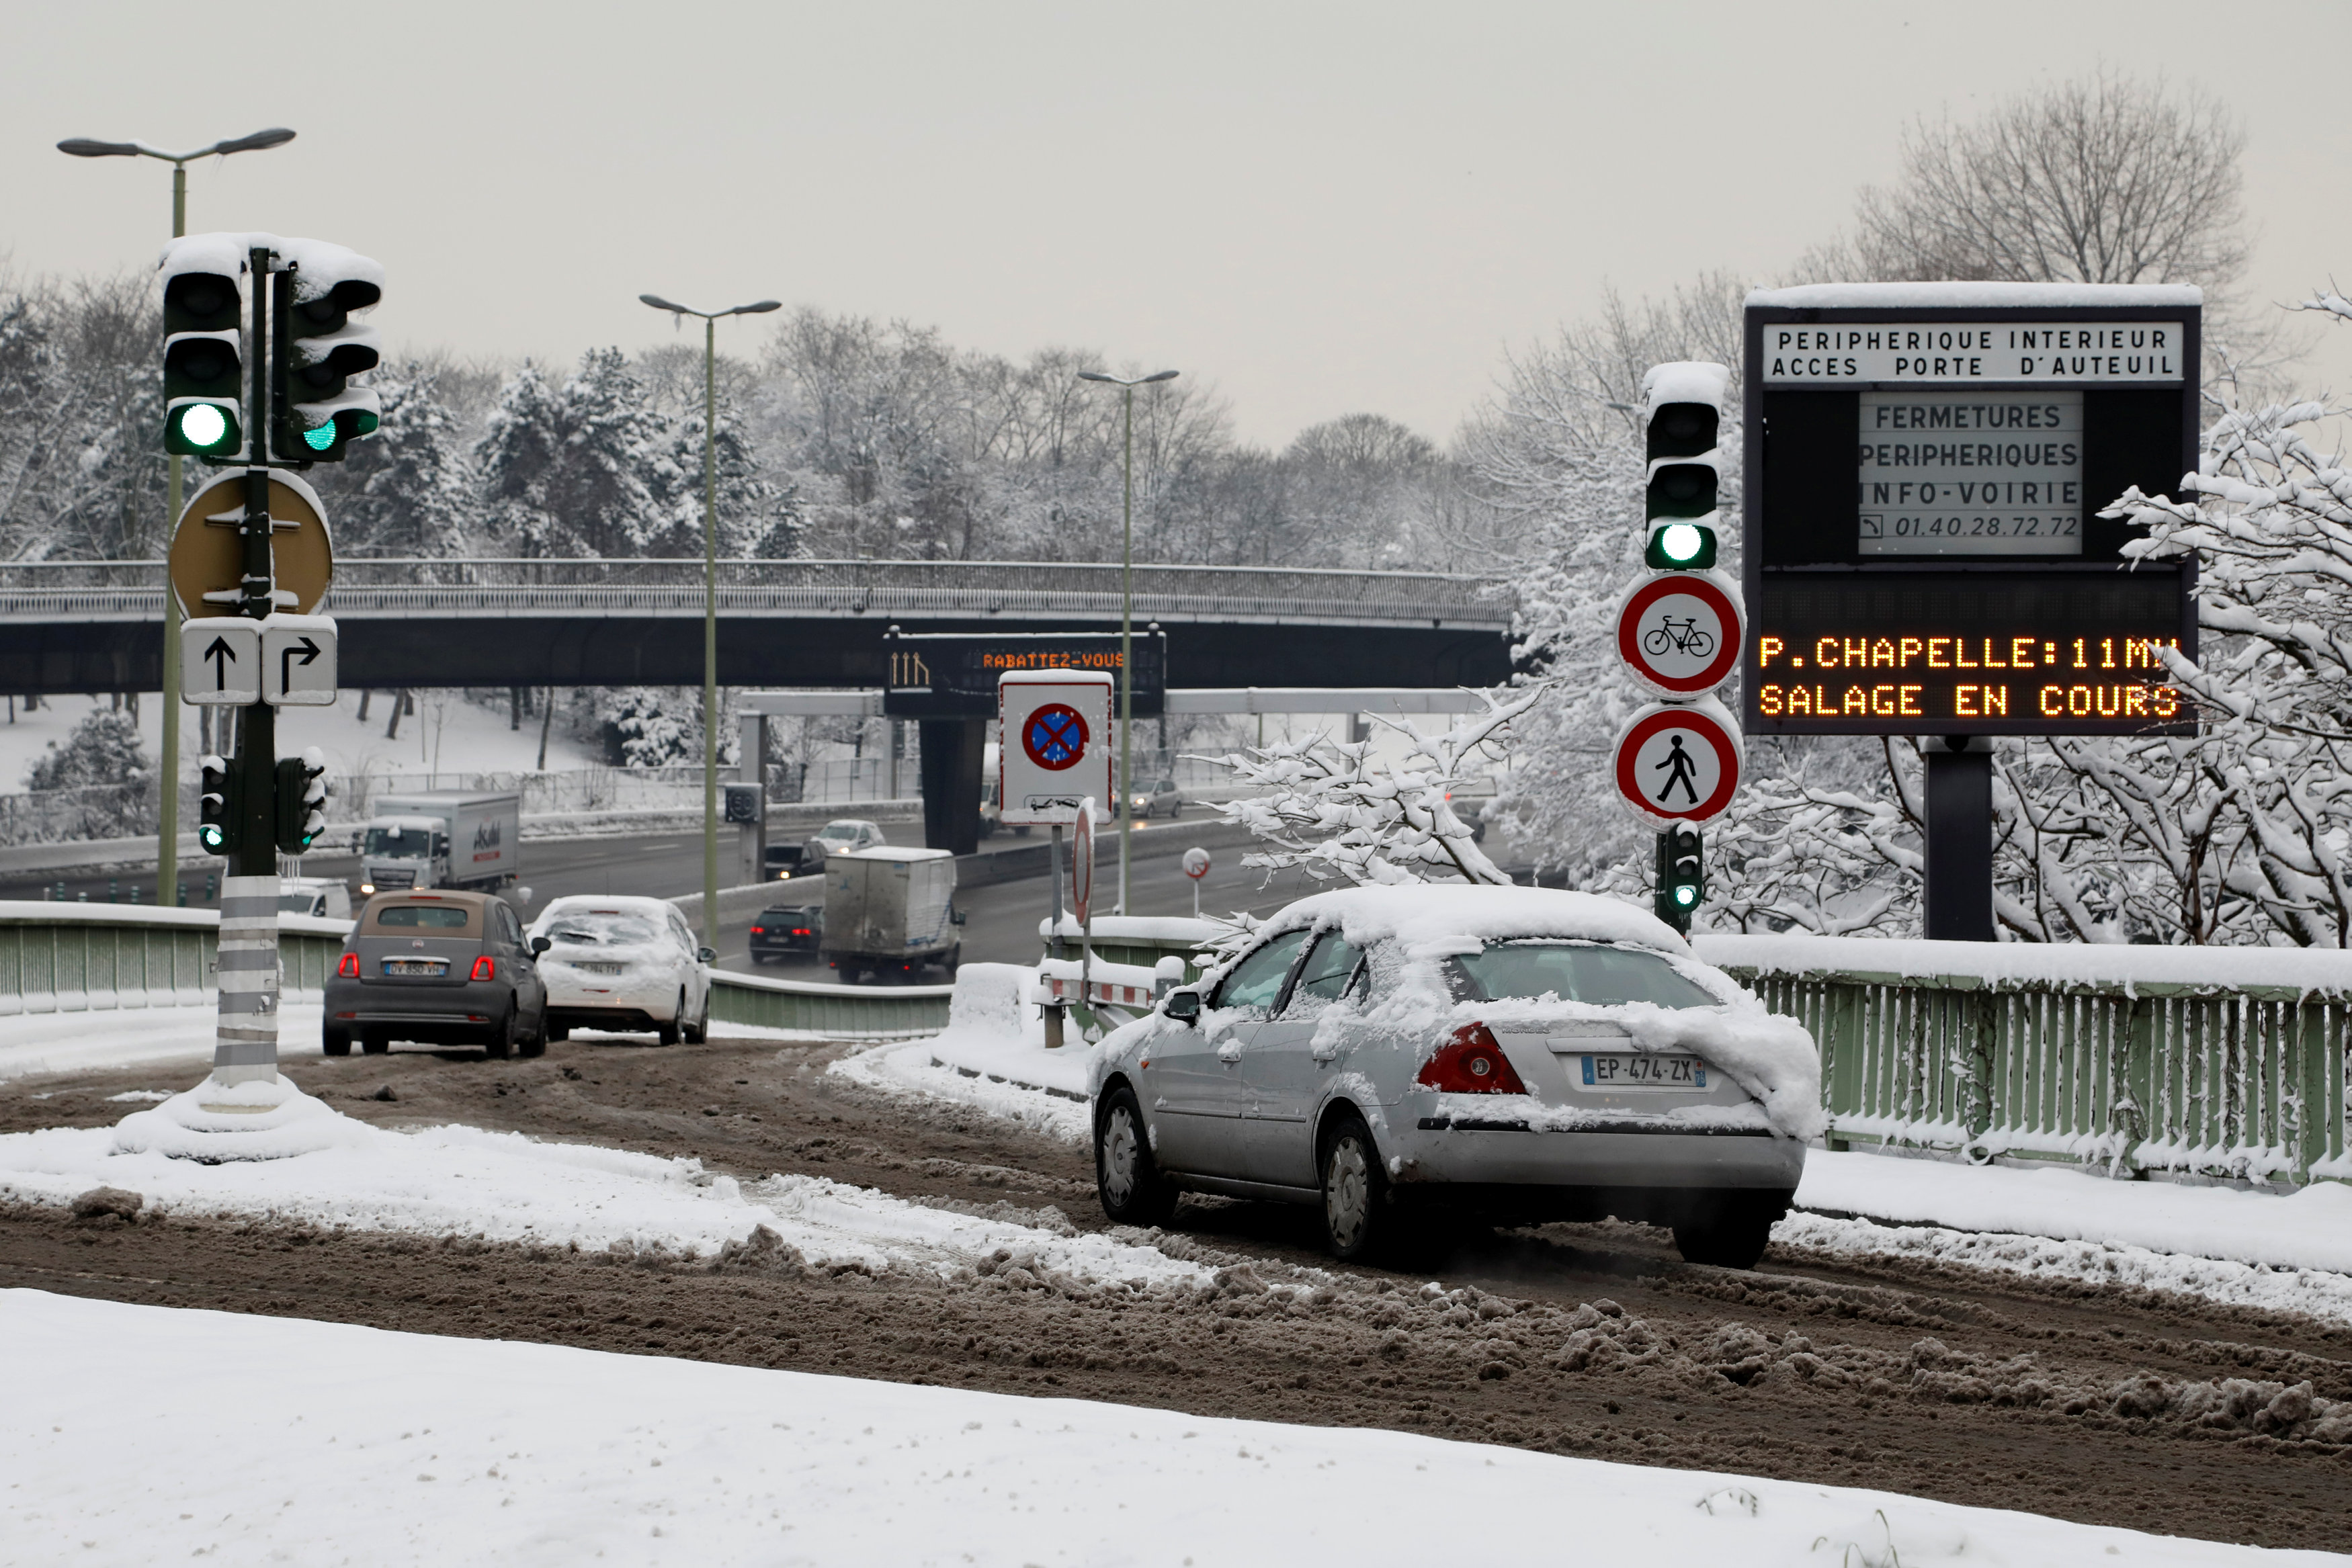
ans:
(1333, 809)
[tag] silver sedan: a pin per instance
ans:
(1382, 1051)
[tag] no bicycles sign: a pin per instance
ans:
(1680, 634)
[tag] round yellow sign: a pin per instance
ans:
(208, 551)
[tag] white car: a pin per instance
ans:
(625, 965)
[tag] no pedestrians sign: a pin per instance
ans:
(1678, 763)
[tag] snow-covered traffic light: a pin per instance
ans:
(317, 348)
(204, 352)
(301, 801)
(219, 794)
(1682, 410)
(1682, 877)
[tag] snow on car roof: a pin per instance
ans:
(895, 853)
(1436, 918)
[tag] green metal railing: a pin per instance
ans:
(2219, 1062)
(836, 1012)
(82, 957)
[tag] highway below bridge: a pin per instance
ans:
(97, 626)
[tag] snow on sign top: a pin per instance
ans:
(1976, 296)
(1686, 381)
(318, 263)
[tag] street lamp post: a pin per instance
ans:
(710, 596)
(1126, 792)
(167, 826)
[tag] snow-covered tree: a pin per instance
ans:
(1334, 809)
(410, 490)
(584, 469)
(102, 777)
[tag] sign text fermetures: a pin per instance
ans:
(1981, 352)
(1924, 552)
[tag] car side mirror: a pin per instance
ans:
(956, 916)
(1185, 1006)
(707, 955)
(540, 945)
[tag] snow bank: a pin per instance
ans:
(89, 1042)
(991, 1056)
(396, 1448)
(2308, 1230)
(503, 1187)
(2300, 970)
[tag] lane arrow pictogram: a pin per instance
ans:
(222, 656)
(309, 652)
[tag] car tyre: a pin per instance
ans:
(1732, 1236)
(668, 1033)
(1126, 1178)
(1358, 1220)
(699, 1030)
(534, 1044)
(335, 1041)
(375, 1043)
(555, 1030)
(501, 1043)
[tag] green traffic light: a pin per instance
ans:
(1681, 542)
(203, 425)
(212, 837)
(200, 430)
(1685, 895)
(319, 438)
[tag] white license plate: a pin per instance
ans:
(431, 967)
(599, 969)
(1642, 1070)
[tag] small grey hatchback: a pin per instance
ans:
(438, 968)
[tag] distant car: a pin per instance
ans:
(1161, 798)
(324, 898)
(786, 929)
(845, 833)
(624, 965)
(783, 862)
(439, 969)
(1518, 1053)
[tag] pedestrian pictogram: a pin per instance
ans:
(1680, 633)
(1055, 737)
(1678, 763)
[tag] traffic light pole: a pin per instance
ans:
(245, 1045)
(167, 805)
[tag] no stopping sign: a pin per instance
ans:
(1054, 737)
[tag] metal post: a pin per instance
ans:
(1054, 943)
(167, 816)
(1127, 656)
(1959, 840)
(709, 632)
(244, 1047)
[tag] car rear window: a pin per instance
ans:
(600, 929)
(1575, 972)
(789, 914)
(423, 916)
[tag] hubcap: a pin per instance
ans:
(1118, 1156)
(1347, 1193)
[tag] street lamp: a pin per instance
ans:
(710, 596)
(1126, 621)
(167, 825)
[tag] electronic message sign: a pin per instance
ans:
(1925, 464)
(953, 674)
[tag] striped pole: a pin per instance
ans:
(245, 1048)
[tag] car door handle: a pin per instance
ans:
(1229, 1053)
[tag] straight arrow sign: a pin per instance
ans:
(220, 661)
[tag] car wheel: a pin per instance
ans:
(534, 1044)
(373, 1043)
(699, 1030)
(1734, 1235)
(1357, 1221)
(501, 1043)
(335, 1041)
(559, 1031)
(668, 1033)
(1126, 1178)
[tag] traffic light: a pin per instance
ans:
(220, 793)
(317, 348)
(301, 801)
(203, 354)
(1682, 877)
(1681, 406)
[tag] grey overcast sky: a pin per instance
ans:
(1318, 208)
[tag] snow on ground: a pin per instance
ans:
(117, 1425)
(504, 1186)
(991, 1056)
(446, 734)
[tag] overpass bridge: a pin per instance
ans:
(93, 626)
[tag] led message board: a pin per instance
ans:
(1925, 467)
(953, 674)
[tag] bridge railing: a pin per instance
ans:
(364, 585)
(2226, 1063)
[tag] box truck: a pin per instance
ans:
(889, 912)
(446, 838)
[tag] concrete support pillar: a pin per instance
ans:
(950, 770)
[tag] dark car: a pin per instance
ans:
(788, 928)
(438, 968)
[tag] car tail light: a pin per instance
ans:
(759, 931)
(485, 967)
(1470, 1062)
(349, 968)
(803, 931)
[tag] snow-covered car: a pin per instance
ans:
(438, 968)
(325, 898)
(845, 834)
(1518, 1053)
(624, 965)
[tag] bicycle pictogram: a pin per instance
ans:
(1055, 737)
(1683, 636)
